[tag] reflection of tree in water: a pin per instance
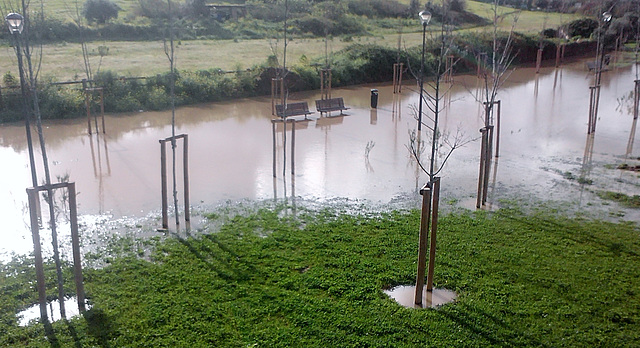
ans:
(367, 151)
(98, 170)
(626, 103)
(632, 136)
(587, 164)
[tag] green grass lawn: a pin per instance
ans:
(534, 279)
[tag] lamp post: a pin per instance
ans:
(15, 22)
(604, 19)
(425, 17)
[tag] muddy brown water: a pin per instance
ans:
(544, 148)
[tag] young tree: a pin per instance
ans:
(442, 145)
(170, 52)
(493, 77)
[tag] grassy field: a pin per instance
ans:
(64, 61)
(523, 280)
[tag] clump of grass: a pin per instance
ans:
(585, 181)
(580, 179)
(569, 176)
(626, 166)
(623, 199)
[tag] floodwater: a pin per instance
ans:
(53, 311)
(362, 156)
(405, 296)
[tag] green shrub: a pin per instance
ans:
(11, 105)
(127, 103)
(57, 102)
(363, 64)
(582, 27)
(308, 75)
(550, 33)
(157, 99)
(100, 11)
(245, 83)
(314, 25)
(9, 80)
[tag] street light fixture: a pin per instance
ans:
(600, 56)
(425, 17)
(15, 22)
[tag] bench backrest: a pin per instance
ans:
(333, 103)
(300, 108)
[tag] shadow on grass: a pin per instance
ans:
(50, 333)
(73, 333)
(218, 258)
(572, 231)
(100, 326)
(491, 328)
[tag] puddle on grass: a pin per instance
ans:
(361, 157)
(53, 311)
(405, 296)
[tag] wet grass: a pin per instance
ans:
(535, 279)
(621, 198)
(625, 166)
(579, 179)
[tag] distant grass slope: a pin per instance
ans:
(529, 22)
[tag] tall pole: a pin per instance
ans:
(424, 34)
(426, 191)
(25, 110)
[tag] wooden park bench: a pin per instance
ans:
(328, 105)
(293, 109)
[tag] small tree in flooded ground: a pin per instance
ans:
(170, 52)
(442, 145)
(493, 74)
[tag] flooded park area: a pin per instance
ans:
(362, 156)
